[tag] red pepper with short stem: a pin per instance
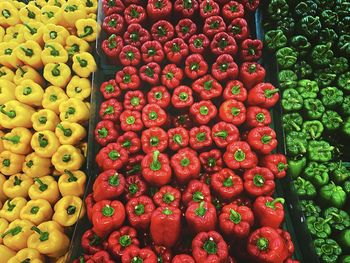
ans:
(107, 216)
(108, 185)
(134, 100)
(257, 117)
(162, 31)
(203, 112)
(235, 90)
(136, 35)
(131, 121)
(207, 87)
(198, 43)
(159, 9)
(112, 156)
(227, 184)
(232, 111)
(201, 217)
(178, 138)
(120, 240)
(130, 56)
(110, 110)
(89, 203)
(239, 155)
(251, 73)
(289, 244)
(130, 141)
(266, 245)
(153, 116)
(150, 73)
(112, 6)
(211, 161)
(134, 187)
(185, 28)
(251, 5)
(159, 95)
(269, 211)
(112, 47)
(224, 133)
(133, 167)
(182, 97)
(182, 120)
(186, 8)
(224, 68)
(182, 258)
(101, 256)
(176, 50)
(238, 29)
(186, 165)
(139, 211)
(232, 10)
(133, 254)
(152, 51)
(195, 66)
(209, 246)
(196, 192)
(262, 139)
(223, 43)
(251, 49)
(167, 196)
(105, 132)
(259, 181)
(236, 220)
(209, 8)
(156, 168)
(134, 14)
(200, 137)
(113, 24)
(171, 76)
(110, 89)
(154, 139)
(90, 242)
(213, 25)
(163, 254)
(276, 163)
(128, 78)
(264, 95)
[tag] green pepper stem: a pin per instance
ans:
(54, 51)
(55, 71)
(17, 181)
(43, 142)
(83, 63)
(13, 231)
(14, 139)
(88, 30)
(274, 202)
(66, 132)
(222, 134)
(262, 243)
(177, 138)
(42, 187)
(201, 210)
(31, 30)
(239, 155)
(107, 211)
(269, 92)
(114, 180)
(95, 241)
(23, 72)
(44, 236)
(11, 114)
(139, 209)
(167, 211)
(168, 198)
(71, 177)
(198, 196)
(155, 165)
(125, 241)
(210, 246)
(235, 217)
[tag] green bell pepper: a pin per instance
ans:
(307, 88)
(275, 39)
(320, 151)
(304, 189)
(340, 174)
(313, 129)
(296, 143)
(317, 174)
(314, 108)
(344, 81)
(327, 250)
(344, 240)
(346, 127)
(287, 79)
(303, 69)
(291, 100)
(318, 226)
(286, 57)
(309, 208)
(292, 122)
(322, 55)
(333, 195)
(329, 18)
(346, 187)
(339, 65)
(342, 7)
(344, 45)
(310, 26)
(331, 120)
(278, 9)
(296, 165)
(344, 259)
(345, 107)
(304, 8)
(340, 219)
(327, 35)
(343, 26)
(324, 77)
(287, 25)
(331, 97)
(301, 45)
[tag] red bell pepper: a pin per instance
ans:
(207, 87)
(186, 8)
(139, 211)
(185, 28)
(162, 31)
(154, 139)
(153, 116)
(182, 258)
(159, 95)
(130, 56)
(251, 49)
(196, 192)
(213, 25)
(236, 220)
(134, 14)
(264, 95)
(89, 203)
(201, 217)
(209, 8)
(227, 184)
(110, 110)
(176, 50)
(134, 254)
(195, 66)
(209, 247)
(171, 76)
(112, 47)
(108, 185)
(136, 35)
(182, 120)
(128, 78)
(211, 161)
(107, 216)
(120, 240)
(112, 156)
(200, 137)
(232, 111)
(234, 90)
(198, 43)
(224, 68)
(134, 187)
(269, 211)
(130, 141)
(156, 168)
(224, 133)
(131, 121)
(105, 132)
(150, 73)
(165, 226)
(112, 6)
(251, 73)
(110, 89)
(239, 155)
(133, 167)
(203, 112)
(289, 244)
(152, 51)
(186, 165)
(159, 9)
(113, 24)
(167, 196)
(182, 97)
(232, 10)
(134, 100)
(238, 29)
(223, 43)
(90, 242)
(101, 256)
(276, 163)
(251, 5)
(262, 139)
(129, 2)
(259, 181)
(178, 138)
(163, 254)
(257, 117)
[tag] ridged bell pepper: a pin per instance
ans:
(251, 73)
(207, 87)
(113, 156)
(156, 169)
(264, 95)
(6, 253)
(45, 119)
(200, 137)
(87, 29)
(122, 239)
(37, 211)
(54, 52)
(224, 133)
(30, 54)
(171, 76)
(182, 258)
(136, 35)
(150, 73)
(7, 91)
(269, 211)
(259, 181)
(276, 163)
(195, 66)
(233, 111)
(134, 100)
(134, 14)
(55, 33)
(45, 143)
(72, 183)
(58, 74)
(51, 14)
(139, 211)
(27, 72)
(84, 64)
(198, 43)
(213, 25)
(74, 110)
(67, 157)
(10, 163)
(6, 73)
(182, 97)
(29, 92)
(13, 34)
(135, 186)
(9, 14)
(131, 121)
(112, 47)
(257, 117)
(196, 192)
(239, 155)
(70, 133)
(16, 235)
(90, 242)
(73, 10)
(15, 114)
(44, 188)
(29, 13)
(17, 185)
(74, 45)
(79, 88)
(8, 54)
(185, 28)
(159, 9)
(178, 138)
(17, 141)
(167, 196)
(130, 56)
(201, 216)
(108, 185)
(186, 165)
(224, 68)
(30, 254)
(136, 254)
(208, 8)
(152, 51)
(33, 31)
(203, 111)
(12, 208)
(262, 139)
(105, 132)
(226, 184)
(36, 166)
(154, 139)
(68, 210)
(130, 141)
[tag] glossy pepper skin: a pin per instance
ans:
(251, 73)
(139, 211)
(182, 258)
(207, 87)
(159, 95)
(224, 133)
(134, 186)
(162, 31)
(185, 164)
(152, 51)
(176, 50)
(130, 56)
(150, 73)
(112, 47)
(154, 139)
(200, 137)
(128, 78)
(201, 216)
(108, 185)
(262, 139)
(276, 163)
(113, 6)
(304, 188)
(259, 181)
(167, 196)
(185, 28)
(264, 95)
(239, 155)
(112, 156)
(186, 8)
(182, 97)
(211, 160)
(196, 192)
(333, 195)
(269, 211)
(134, 14)
(232, 10)
(257, 117)
(226, 184)
(136, 35)
(153, 116)
(327, 249)
(224, 68)
(232, 111)
(105, 132)
(178, 138)
(113, 24)
(158, 9)
(203, 112)
(121, 239)
(238, 29)
(156, 169)
(213, 25)
(134, 100)
(198, 43)
(171, 76)
(223, 43)
(135, 254)
(318, 226)
(195, 66)
(110, 110)
(130, 141)
(131, 121)
(208, 9)
(90, 242)
(110, 89)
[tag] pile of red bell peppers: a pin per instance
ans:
(186, 159)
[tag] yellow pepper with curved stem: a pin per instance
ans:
(8, 55)
(51, 14)
(33, 31)
(2, 33)
(3, 226)
(10, 163)
(48, 240)
(54, 52)
(45, 143)
(76, 45)
(58, 74)
(12, 208)
(13, 34)
(29, 92)
(37, 211)
(27, 255)
(84, 64)
(9, 15)
(70, 133)
(55, 33)
(6, 73)
(73, 10)
(27, 72)
(17, 185)
(15, 114)
(29, 13)
(3, 197)
(45, 119)
(36, 166)
(30, 53)
(7, 91)
(67, 157)
(72, 183)
(53, 97)
(68, 210)
(79, 88)
(87, 29)
(18, 140)
(6, 254)
(16, 235)
(58, 3)
(74, 110)
(46, 188)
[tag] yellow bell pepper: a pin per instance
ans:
(55, 33)
(92, 16)
(49, 240)
(68, 210)
(27, 255)
(3, 197)
(72, 183)
(1, 142)
(3, 226)
(18, 4)
(30, 54)
(87, 29)
(36, 166)
(45, 188)
(8, 56)
(13, 34)
(29, 13)
(29, 92)
(91, 6)
(79, 88)
(18, 140)
(76, 45)
(53, 97)
(15, 114)
(74, 110)
(17, 185)
(54, 52)
(67, 157)
(2, 33)
(45, 120)
(9, 15)
(6, 254)
(11, 163)
(84, 64)
(58, 3)
(51, 14)
(12, 208)
(33, 31)
(73, 10)
(70, 133)
(6, 73)
(37, 211)
(45, 143)
(7, 91)
(17, 233)
(58, 74)
(27, 72)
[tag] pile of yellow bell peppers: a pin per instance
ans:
(45, 69)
